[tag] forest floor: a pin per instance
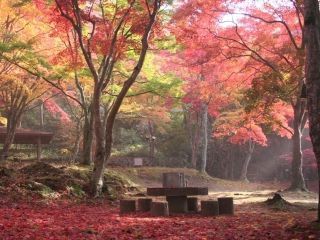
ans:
(35, 205)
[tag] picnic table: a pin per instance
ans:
(177, 197)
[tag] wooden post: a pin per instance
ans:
(39, 148)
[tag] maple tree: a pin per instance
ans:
(18, 94)
(283, 55)
(18, 90)
(151, 100)
(198, 65)
(204, 94)
(197, 26)
(74, 81)
(273, 65)
(106, 33)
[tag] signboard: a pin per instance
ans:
(137, 162)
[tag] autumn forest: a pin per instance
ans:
(159, 119)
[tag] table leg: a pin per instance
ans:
(177, 204)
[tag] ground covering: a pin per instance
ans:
(41, 201)
(65, 220)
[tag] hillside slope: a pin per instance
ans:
(152, 177)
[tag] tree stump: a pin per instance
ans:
(193, 204)
(159, 209)
(144, 204)
(277, 202)
(226, 205)
(127, 206)
(209, 208)
(177, 204)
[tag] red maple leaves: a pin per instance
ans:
(101, 221)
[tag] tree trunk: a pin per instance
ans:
(192, 127)
(244, 170)
(205, 138)
(7, 143)
(76, 146)
(11, 130)
(100, 154)
(42, 115)
(312, 70)
(39, 149)
(88, 134)
(97, 175)
(297, 182)
(194, 154)
(104, 138)
(151, 141)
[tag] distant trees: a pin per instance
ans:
(268, 68)
(19, 90)
(17, 93)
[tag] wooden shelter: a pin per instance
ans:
(28, 136)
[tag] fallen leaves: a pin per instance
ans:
(65, 220)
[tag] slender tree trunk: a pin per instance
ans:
(194, 154)
(100, 153)
(41, 115)
(11, 130)
(88, 134)
(76, 146)
(244, 170)
(312, 70)
(205, 138)
(104, 138)
(151, 141)
(195, 140)
(98, 174)
(192, 127)
(297, 182)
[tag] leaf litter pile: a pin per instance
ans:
(67, 220)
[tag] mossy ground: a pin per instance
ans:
(59, 181)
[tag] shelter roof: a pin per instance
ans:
(27, 136)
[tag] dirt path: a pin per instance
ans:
(242, 192)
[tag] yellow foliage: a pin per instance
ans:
(3, 121)
(21, 85)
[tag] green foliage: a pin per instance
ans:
(267, 90)
(76, 190)
(14, 46)
(173, 149)
(20, 3)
